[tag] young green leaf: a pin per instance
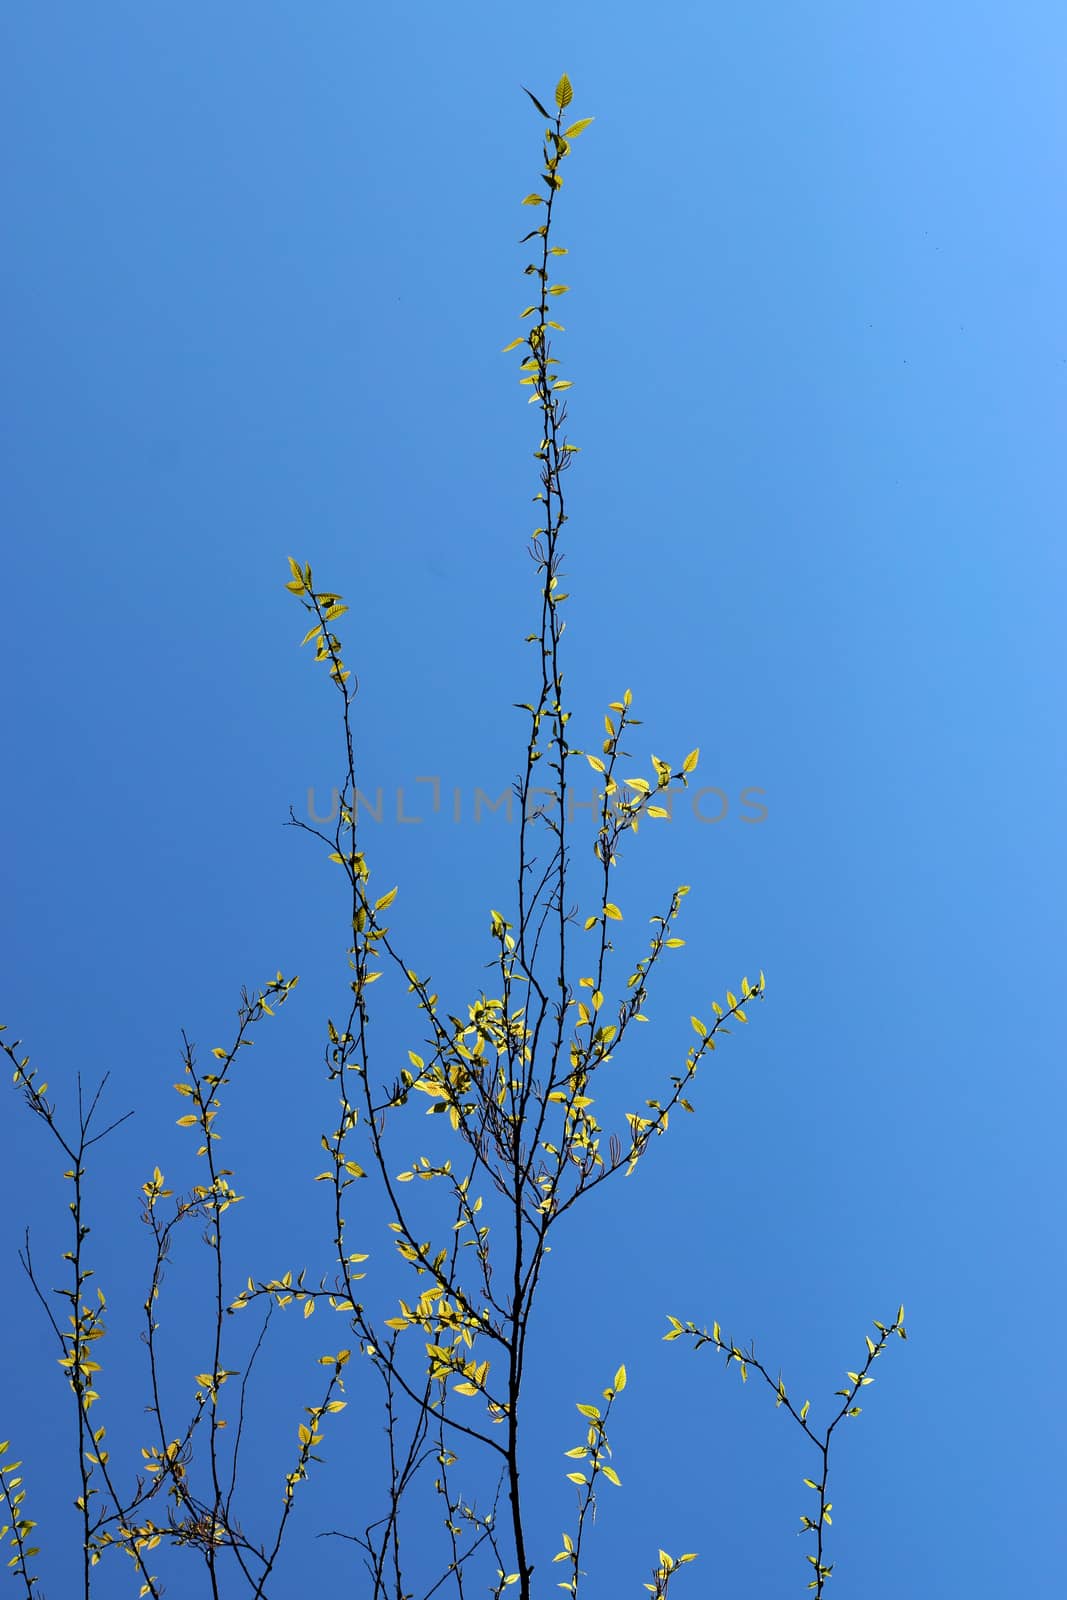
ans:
(547, 115)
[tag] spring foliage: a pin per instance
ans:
(513, 1079)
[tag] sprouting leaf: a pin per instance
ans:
(534, 200)
(547, 115)
(564, 92)
(613, 912)
(620, 1380)
(577, 127)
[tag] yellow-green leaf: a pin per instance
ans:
(564, 92)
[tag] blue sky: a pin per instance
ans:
(262, 261)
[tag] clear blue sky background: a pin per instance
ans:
(261, 262)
